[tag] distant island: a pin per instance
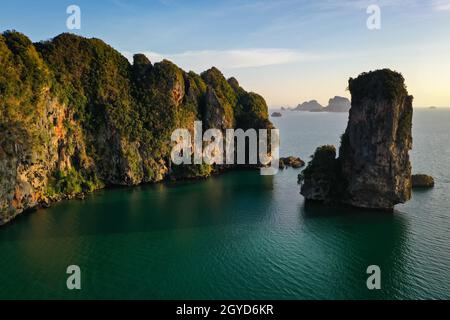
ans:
(276, 114)
(336, 104)
(312, 105)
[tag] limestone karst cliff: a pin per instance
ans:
(77, 116)
(373, 168)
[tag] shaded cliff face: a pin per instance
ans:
(373, 169)
(76, 116)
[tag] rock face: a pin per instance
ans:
(373, 169)
(312, 105)
(338, 104)
(422, 181)
(76, 116)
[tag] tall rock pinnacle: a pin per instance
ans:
(373, 168)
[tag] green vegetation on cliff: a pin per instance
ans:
(23, 77)
(384, 84)
(323, 172)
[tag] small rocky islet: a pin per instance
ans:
(422, 181)
(291, 161)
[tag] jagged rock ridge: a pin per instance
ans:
(77, 116)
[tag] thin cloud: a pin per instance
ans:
(441, 5)
(234, 59)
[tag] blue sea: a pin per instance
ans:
(241, 235)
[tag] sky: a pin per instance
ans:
(289, 51)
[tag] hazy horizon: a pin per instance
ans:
(288, 51)
(415, 107)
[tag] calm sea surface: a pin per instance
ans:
(241, 235)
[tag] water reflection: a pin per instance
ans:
(353, 239)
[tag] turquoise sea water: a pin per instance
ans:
(241, 235)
